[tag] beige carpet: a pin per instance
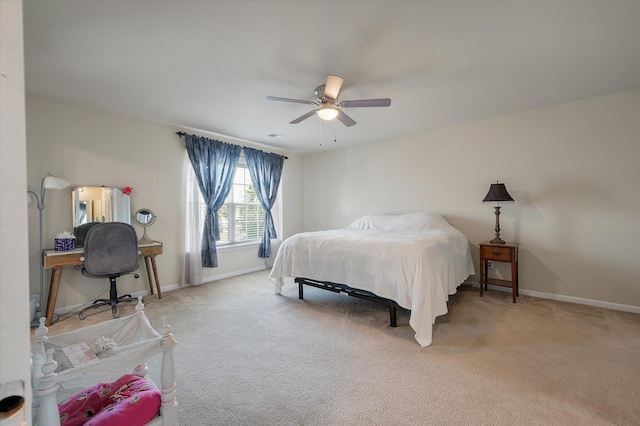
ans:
(249, 357)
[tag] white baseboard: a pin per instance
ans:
(165, 289)
(233, 274)
(570, 299)
(542, 295)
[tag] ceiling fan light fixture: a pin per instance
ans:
(327, 113)
(329, 106)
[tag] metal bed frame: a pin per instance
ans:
(349, 291)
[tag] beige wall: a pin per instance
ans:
(87, 146)
(15, 371)
(573, 170)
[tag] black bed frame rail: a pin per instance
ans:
(353, 292)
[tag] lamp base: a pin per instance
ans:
(497, 239)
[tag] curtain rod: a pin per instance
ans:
(186, 134)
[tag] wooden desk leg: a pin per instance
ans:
(482, 277)
(146, 263)
(56, 273)
(514, 278)
(155, 275)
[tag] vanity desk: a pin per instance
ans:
(57, 260)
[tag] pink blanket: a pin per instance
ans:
(130, 401)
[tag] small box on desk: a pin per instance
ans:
(63, 244)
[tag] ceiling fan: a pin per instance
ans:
(327, 99)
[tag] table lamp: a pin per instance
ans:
(497, 192)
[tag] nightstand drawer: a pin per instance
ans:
(500, 254)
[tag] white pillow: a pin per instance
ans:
(399, 223)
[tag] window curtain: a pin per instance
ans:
(266, 170)
(191, 262)
(214, 163)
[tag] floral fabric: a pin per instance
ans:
(129, 401)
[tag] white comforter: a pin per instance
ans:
(417, 266)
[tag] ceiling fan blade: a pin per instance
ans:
(346, 120)
(303, 117)
(298, 101)
(384, 102)
(332, 86)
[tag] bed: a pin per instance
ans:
(111, 374)
(415, 260)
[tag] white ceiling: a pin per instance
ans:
(208, 65)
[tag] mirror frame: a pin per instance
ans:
(148, 212)
(113, 204)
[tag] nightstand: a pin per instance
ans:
(508, 253)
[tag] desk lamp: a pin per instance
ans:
(48, 182)
(497, 192)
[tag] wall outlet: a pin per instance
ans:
(489, 264)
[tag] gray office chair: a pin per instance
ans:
(110, 250)
(80, 232)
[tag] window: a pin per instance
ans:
(241, 218)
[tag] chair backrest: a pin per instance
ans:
(80, 232)
(110, 249)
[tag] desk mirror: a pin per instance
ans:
(100, 204)
(144, 218)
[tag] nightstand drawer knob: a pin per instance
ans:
(496, 253)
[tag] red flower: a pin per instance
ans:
(127, 190)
